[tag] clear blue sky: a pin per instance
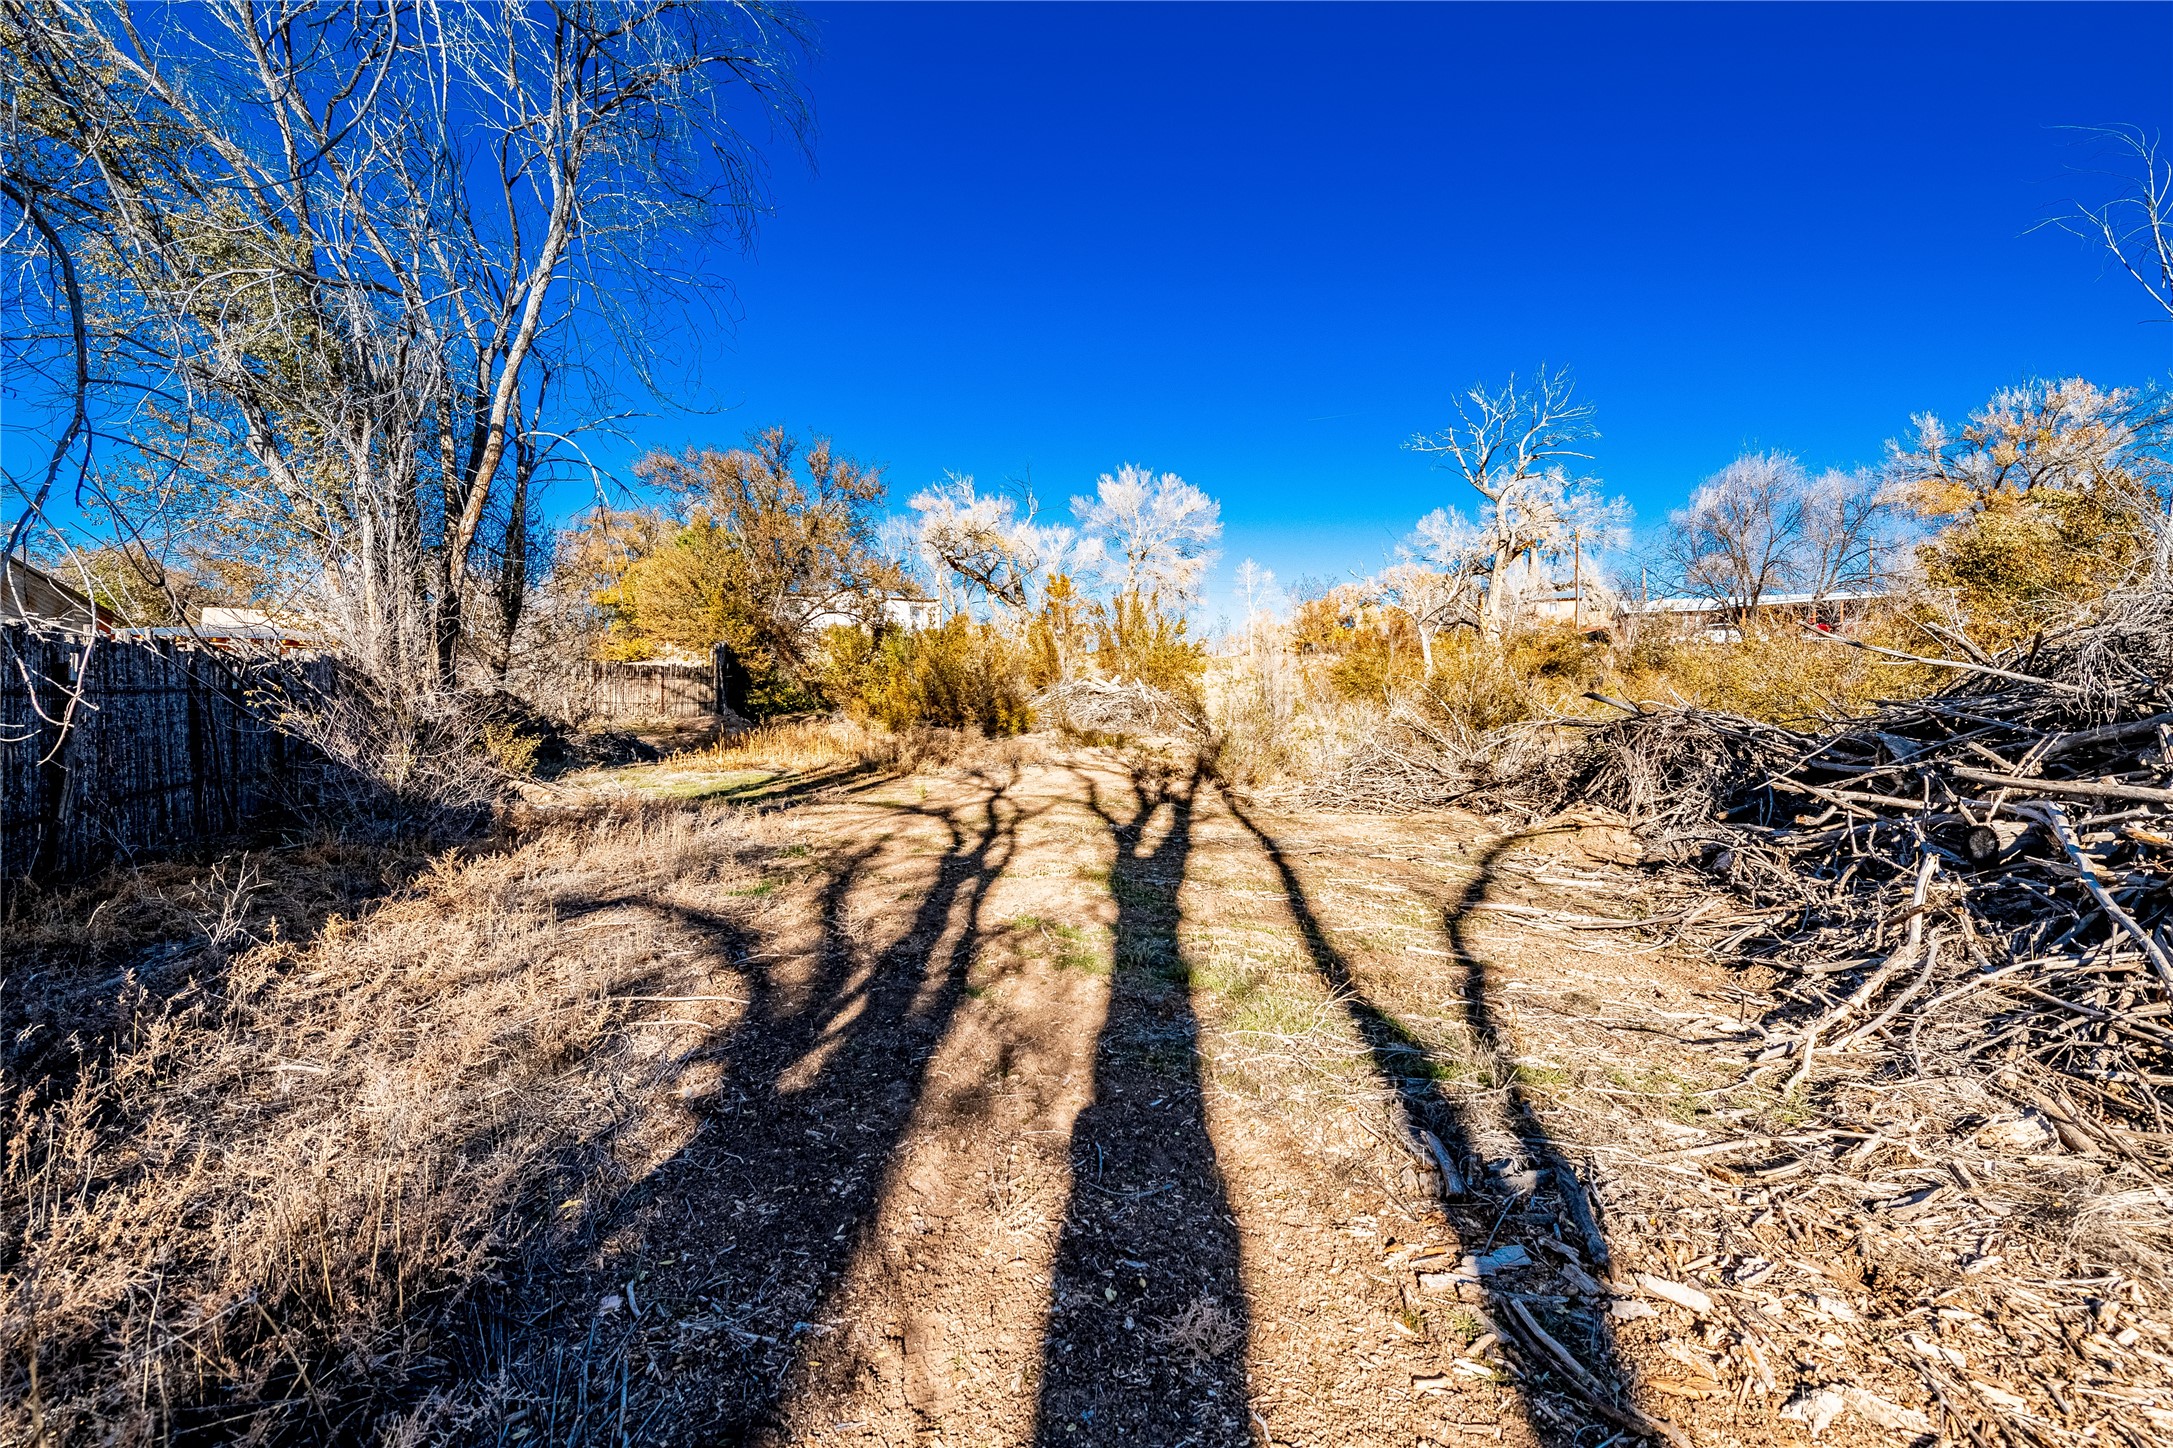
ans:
(1260, 246)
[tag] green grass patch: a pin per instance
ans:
(1682, 1097)
(1067, 947)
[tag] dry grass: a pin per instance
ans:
(839, 743)
(256, 1180)
(1781, 678)
(795, 746)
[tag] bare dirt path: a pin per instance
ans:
(1072, 1103)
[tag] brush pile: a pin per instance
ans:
(1095, 706)
(1966, 1043)
(1990, 867)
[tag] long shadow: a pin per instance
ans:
(720, 1264)
(1539, 1204)
(1148, 1320)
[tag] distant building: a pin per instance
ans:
(906, 611)
(238, 628)
(1721, 622)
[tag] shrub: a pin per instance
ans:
(1559, 652)
(2029, 560)
(1477, 685)
(2047, 495)
(1136, 639)
(510, 749)
(961, 675)
(1786, 679)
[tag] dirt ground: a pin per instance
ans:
(1069, 1101)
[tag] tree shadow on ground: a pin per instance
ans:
(1574, 1390)
(715, 1267)
(1148, 1320)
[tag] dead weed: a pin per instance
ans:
(262, 1187)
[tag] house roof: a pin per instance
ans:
(1771, 600)
(30, 593)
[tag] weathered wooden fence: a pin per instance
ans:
(670, 691)
(119, 750)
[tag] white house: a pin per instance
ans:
(907, 611)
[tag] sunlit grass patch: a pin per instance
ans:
(1540, 1073)
(1067, 947)
(669, 783)
(1683, 1097)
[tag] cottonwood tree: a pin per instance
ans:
(1741, 535)
(1514, 445)
(1763, 525)
(1160, 531)
(1846, 526)
(990, 542)
(326, 247)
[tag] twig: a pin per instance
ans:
(1586, 1386)
(1949, 663)
(2086, 788)
(2056, 820)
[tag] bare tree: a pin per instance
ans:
(1845, 517)
(2065, 436)
(1513, 446)
(990, 541)
(1256, 585)
(333, 241)
(1161, 530)
(2137, 226)
(1435, 600)
(1742, 535)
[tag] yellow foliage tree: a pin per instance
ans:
(762, 543)
(2043, 498)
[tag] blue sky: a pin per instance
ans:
(1260, 246)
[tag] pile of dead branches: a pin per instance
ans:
(1118, 707)
(1968, 1022)
(1397, 762)
(1990, 867)
(1405, 759)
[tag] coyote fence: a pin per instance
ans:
(717, 689)
(114, 750)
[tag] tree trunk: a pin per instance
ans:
(513, 564)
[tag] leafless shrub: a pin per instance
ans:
(400, 759)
